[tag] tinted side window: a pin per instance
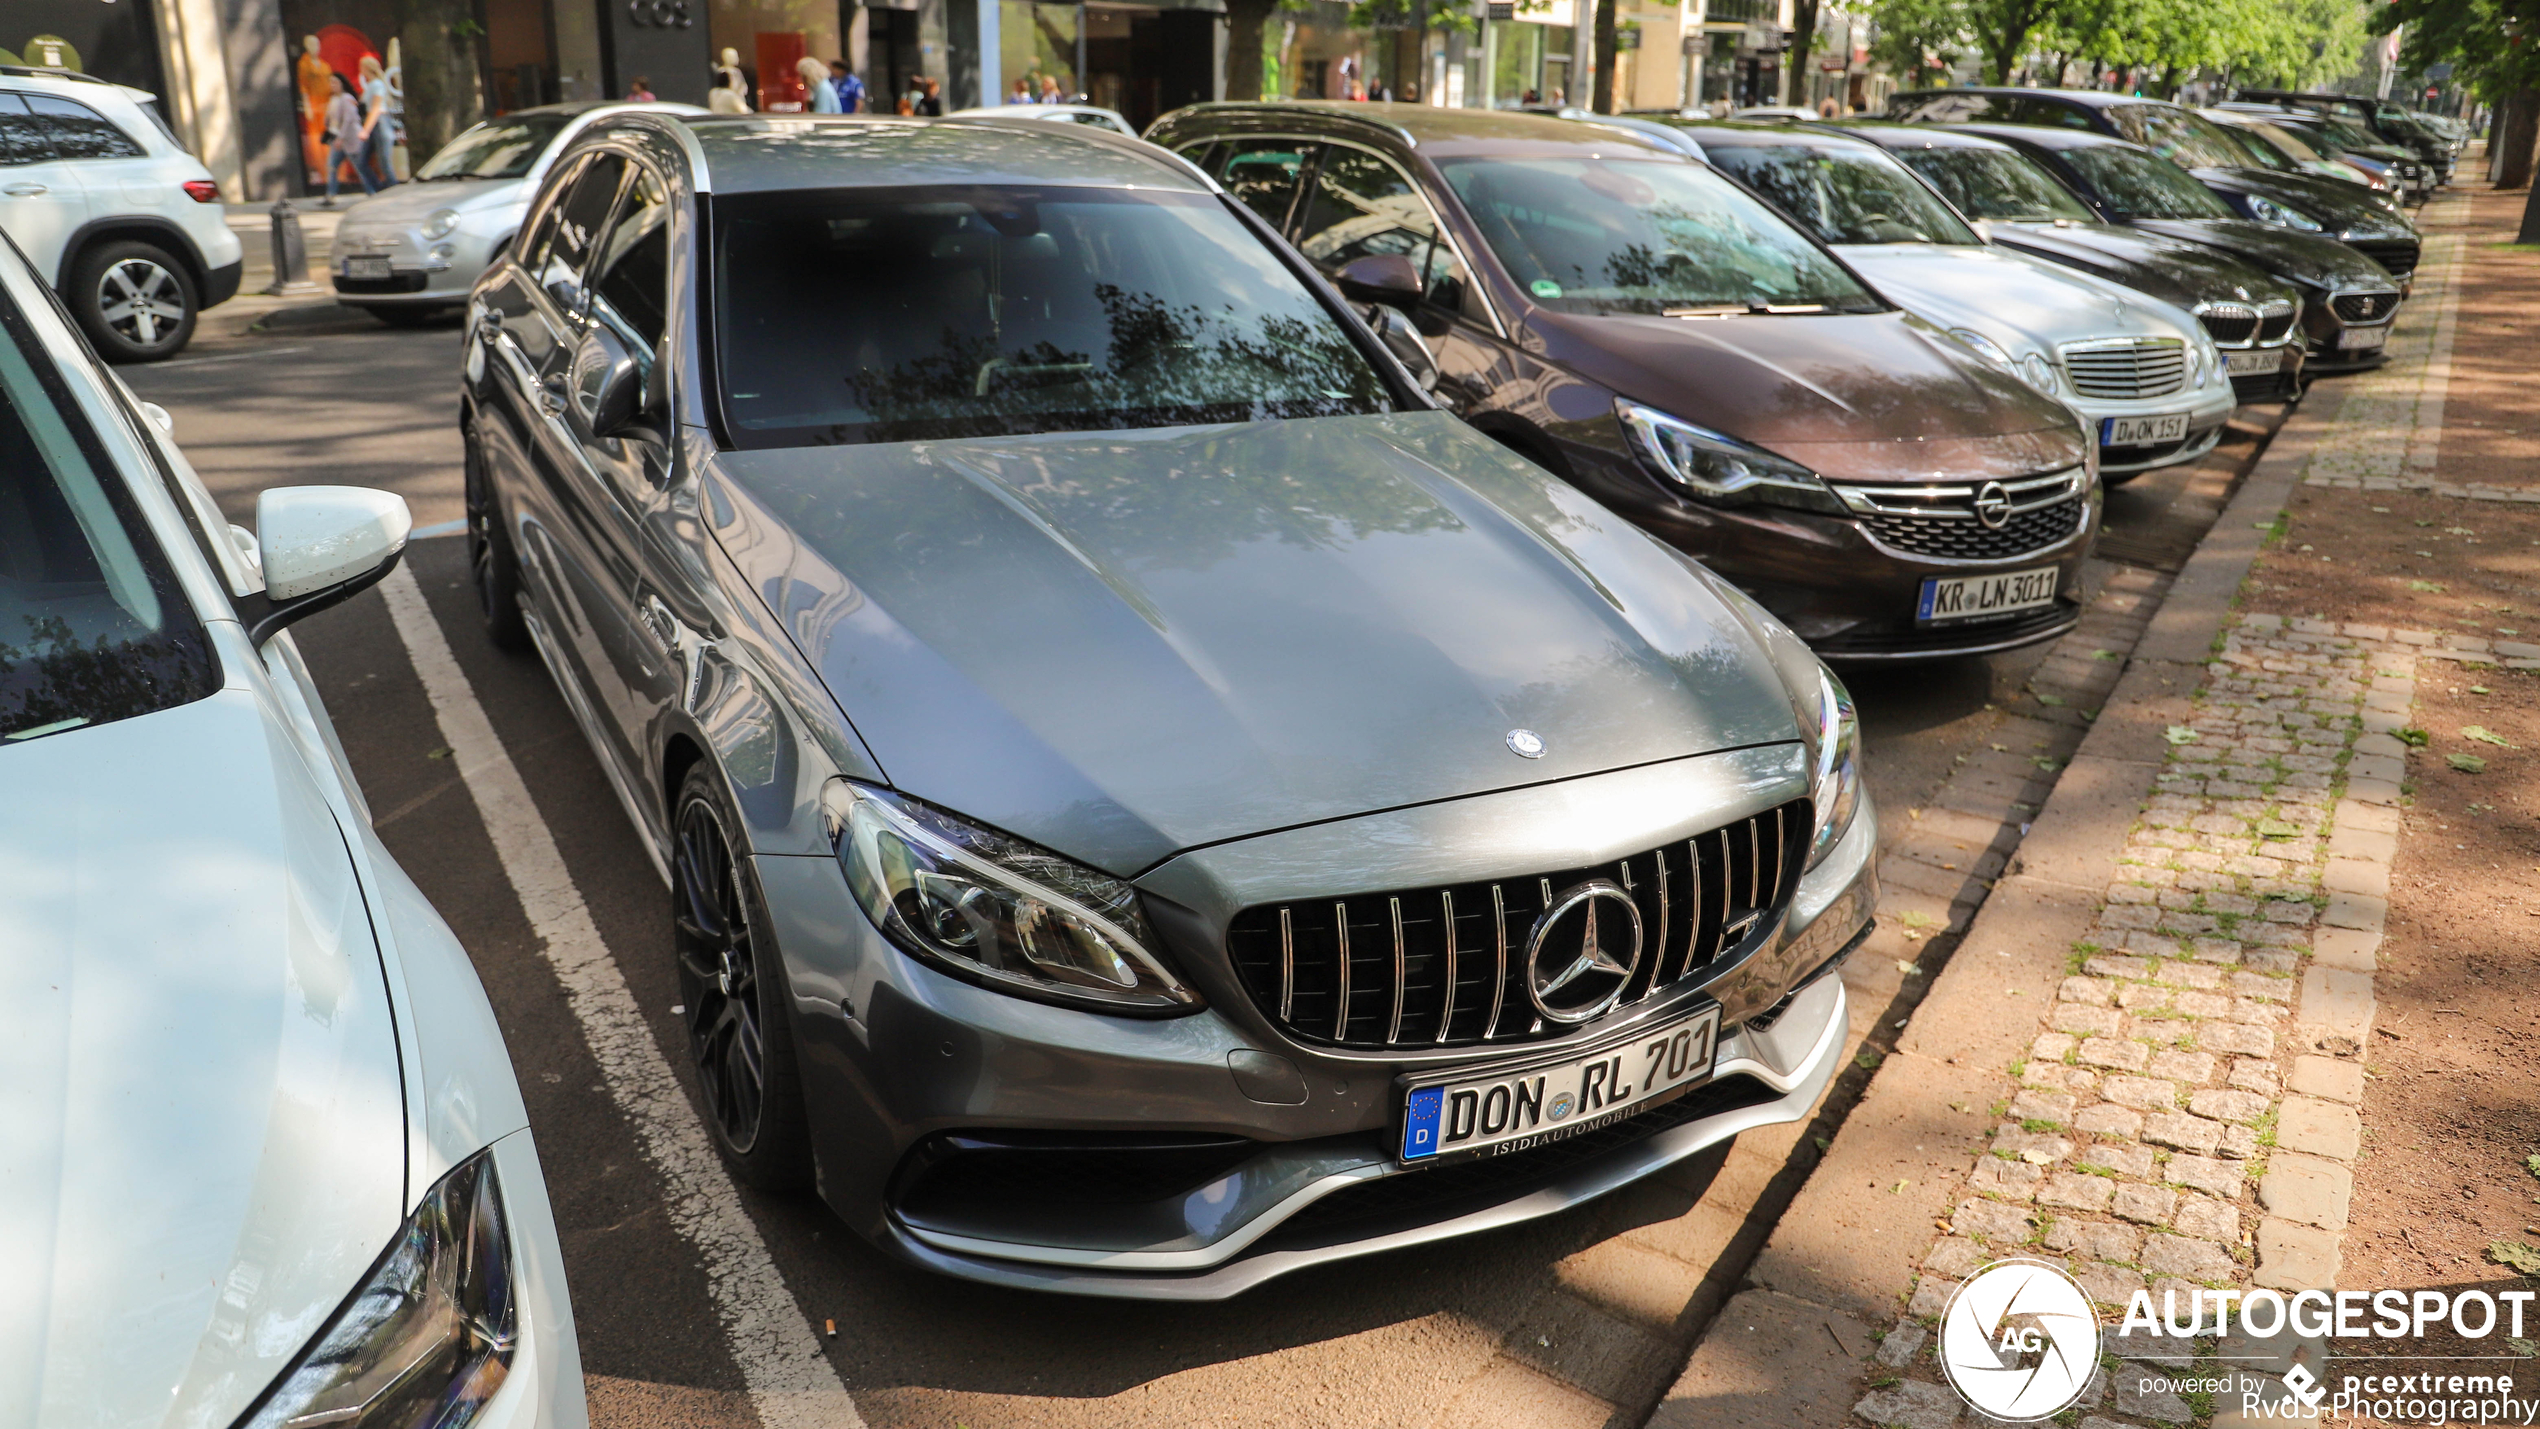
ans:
(2047, 112)
(631, 289)
(579, 215)
(531, 248)
(23, 139)
(1361, 204)
(79, 132)
(1263, 173)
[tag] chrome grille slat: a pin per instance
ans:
(1292, 957)
(2123, 369)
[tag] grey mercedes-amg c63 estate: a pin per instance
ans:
(1151, 802)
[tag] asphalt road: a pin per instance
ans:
(317, 397)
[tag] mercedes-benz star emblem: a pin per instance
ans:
(1582, 951)
(1525, 744)
(1993, 505)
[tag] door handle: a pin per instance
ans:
(551, 394)
(25, 190)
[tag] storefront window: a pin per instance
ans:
(115, 42)
(772, 37)
(1516, 63)
(1040, 46)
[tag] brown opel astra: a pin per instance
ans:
(1642, 326)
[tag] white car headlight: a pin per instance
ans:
(425, 1341)
(991, 909)
(1985, 347)
(442, 222)
(1834, 784)
(2269, 211)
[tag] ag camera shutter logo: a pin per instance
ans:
(2019, 1341)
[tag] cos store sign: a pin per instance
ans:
(660, 14)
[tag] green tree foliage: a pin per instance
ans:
(2162, 43)
(2494, 45)
(1918, 38)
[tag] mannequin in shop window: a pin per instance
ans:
(723, 99)
(734, 78)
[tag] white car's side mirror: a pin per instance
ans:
(321, 545)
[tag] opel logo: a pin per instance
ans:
(1993, 505)
(1582, 951)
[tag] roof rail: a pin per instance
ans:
(40, 72)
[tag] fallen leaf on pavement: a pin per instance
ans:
(2466, 763)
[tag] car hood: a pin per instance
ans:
(2183, 274)
(1124, 644)
(202, 1132)
(2024, 303)
(2310, 259)
(1857, 397)
(409, 204)
(2349, 209)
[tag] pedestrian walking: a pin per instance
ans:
(1050, 93)
(343, 139)
(820, 96)
(850, 89)
(378, 134)
(641, 91)
(930, 97)
(1022, 91)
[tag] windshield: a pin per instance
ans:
(903, 314)
(495, 149)
(1996, 183)
(1844, 195)
(92, 626)
(1603, 236)
(2291, 146)
(2347, 134)
(2136, 185)
(2187, 139)
(2254, 152)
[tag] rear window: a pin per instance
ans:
(2138, 185)
(904, 314)
(92, 626)
(1996, 184)
(1844, 194)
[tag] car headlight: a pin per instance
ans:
(427, 1339)
(1834, 784)
(2267, 210)
(1720, 468)
(1985, 347)
(992, 909)
(442, 222)
(2040, 373)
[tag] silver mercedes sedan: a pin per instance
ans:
(1149, 800)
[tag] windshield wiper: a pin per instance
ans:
(1749, 308)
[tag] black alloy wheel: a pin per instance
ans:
(490, 559)
(739, 1038)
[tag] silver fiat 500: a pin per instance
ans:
(1151, 801)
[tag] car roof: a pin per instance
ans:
(2045, 136)
(760, 153)
(2083, 98)
(1892, 134)
(1737, 133)
(1435, 130)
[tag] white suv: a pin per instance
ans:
(127, 226)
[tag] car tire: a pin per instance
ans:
(738, 1014)
(491, 560)
(135, 301)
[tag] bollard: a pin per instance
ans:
(290, 254)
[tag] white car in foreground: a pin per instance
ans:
(262, 1157)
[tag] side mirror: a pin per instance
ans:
(1385, 279)
(321, 546)
(606, 382)
(1405, 343)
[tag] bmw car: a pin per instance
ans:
(266, 1162)
(1150, 801)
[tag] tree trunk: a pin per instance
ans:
(1603, 101)
(2516, 119)
(443, 91)
(1803, 41)
(1245, 22)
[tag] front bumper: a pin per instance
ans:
(899, 1061)
(412, 281)
(2208, 408)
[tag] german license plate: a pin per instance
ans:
(1450, 1118)
(1978, 597)
(2142, 431)
(2262, 363)
(2363, 339)
(369, 267)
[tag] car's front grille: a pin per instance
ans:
(2399, 255)
(1942, 522)
(2246, 324)
(2364, 309)
(394, 283)
(1446, 967)
(2125, 368)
